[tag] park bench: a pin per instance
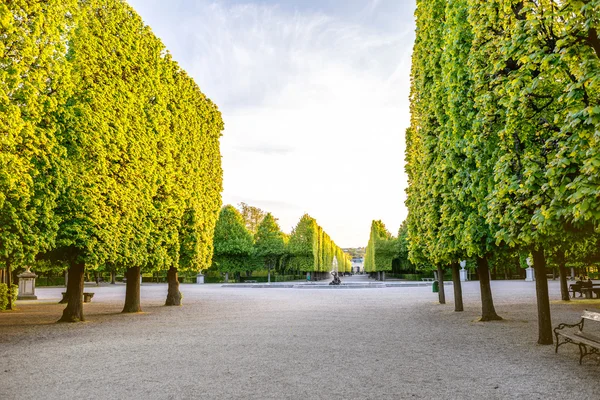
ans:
(578, 286)
(590, 290)
(588, 343)
(427, 279)
(87, 297)
(250, 281)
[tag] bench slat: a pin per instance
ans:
(588, 336)
(594, 316)
(581, 339)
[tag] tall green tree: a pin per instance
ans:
(269, 243)
(233, 243)
(34, 85)
(253, 216)
(381, 249)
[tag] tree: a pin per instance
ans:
(253, 216)
(269, 243)
(233, 243)
(34, 85)
(114, 148)
(381, 249)
(311, 249)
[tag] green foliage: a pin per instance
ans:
(253, 216)
(110, 152)
(4, 296)
(381, 249)
(312, 250)
(502, 150)
(233, 243)
(34, 86)
(269, 241)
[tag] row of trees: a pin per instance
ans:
(381, 250)
(109, 151)
(312, 250)
(238, 248)
(502, 153)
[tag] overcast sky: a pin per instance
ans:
(314, 95)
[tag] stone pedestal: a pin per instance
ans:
(199, 279)
(529, 275)
(27, 285)
(463, 271)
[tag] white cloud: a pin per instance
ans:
(315, 108)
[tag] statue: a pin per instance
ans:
(336, 279)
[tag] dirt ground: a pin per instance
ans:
(268, 343)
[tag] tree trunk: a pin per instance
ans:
(74, 310)
(226, 277)
(269, 275)
(441, 293)
(488, 311)
(65, 299)
(543, 300)
(173, 295)
(458, 301)
(562, 275)
(132, 291)
(9, 285)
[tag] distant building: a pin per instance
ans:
(358, 265)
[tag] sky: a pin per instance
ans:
(314, 96)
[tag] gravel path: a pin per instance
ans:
(291, 344)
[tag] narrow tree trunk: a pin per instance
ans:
(74, 310)
(441, 293)
(112, 277)
(9, 285)
(488, 311)
(65, 299)
(562, 275)
(269, 275)
(132, 291)
(543, 300)
(458, 301)
(173, 294)
(226, 277)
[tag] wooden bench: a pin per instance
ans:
(427, 279)
(587, 342)
(590, 289)
(578, 287)
(87, 297)
(250, 281)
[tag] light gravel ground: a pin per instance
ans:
(390, 343)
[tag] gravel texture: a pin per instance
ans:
(263, 343)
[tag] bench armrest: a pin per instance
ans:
(562, 326)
